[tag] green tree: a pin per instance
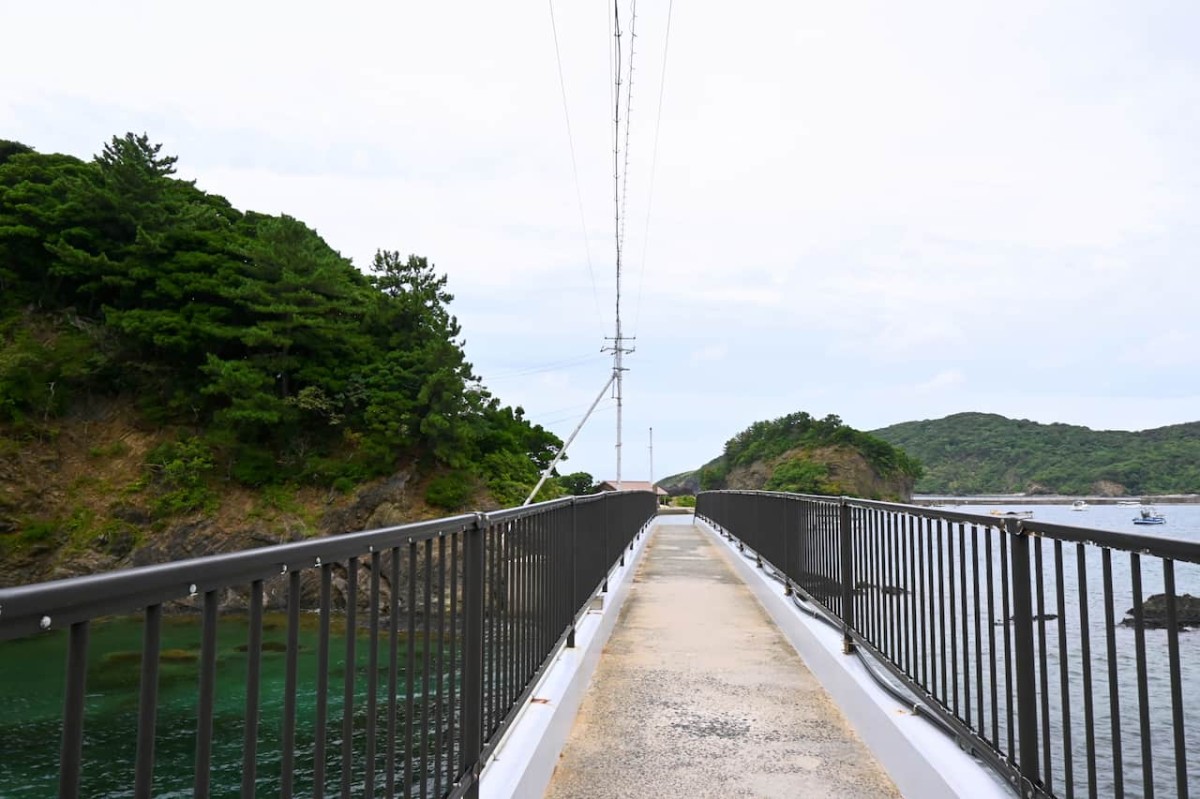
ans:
(282, 359)
(578, 483)
(10, 148)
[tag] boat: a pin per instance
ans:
(1149, 516)
(1129, 503)
(1079, 504)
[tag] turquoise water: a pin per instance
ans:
(32, 672)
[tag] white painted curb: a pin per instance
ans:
(524, 761)
(922, 761)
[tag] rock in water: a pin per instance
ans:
(1154, 612)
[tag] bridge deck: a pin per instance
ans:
(699, 694)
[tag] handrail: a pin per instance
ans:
(460, 616)
(1006, 635)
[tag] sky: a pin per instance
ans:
(885, 211)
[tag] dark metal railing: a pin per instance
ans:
(387, 662)
(1008, 631)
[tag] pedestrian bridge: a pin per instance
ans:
(773, 645)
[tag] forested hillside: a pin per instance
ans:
(806, 455)
(979, 453)
(252, 353)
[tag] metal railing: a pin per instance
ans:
(388, 662)
(1007, 631)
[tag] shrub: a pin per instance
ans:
(180, 470)
(449, 491)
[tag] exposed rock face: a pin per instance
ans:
(1154, 612)
(685, 484)
(381, 505)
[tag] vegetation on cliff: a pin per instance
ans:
(259, 356)
(801, 454)
(982, 453)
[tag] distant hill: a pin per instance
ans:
(982, 453)
(805, 455)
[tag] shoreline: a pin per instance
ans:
(928, 500)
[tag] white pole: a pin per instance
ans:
(571, 438)
(617, 376)
(651, 458)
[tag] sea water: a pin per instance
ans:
(32, 673)
(1068, 742)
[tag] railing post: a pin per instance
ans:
(847, 563)
(574, 543)
(472, 679)
(604, 539)
(1023, 656)
(787, 544)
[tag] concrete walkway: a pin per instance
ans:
(698, 694)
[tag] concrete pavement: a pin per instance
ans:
(698, 694)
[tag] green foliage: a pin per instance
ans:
(40, 531)
(800, 433)
(765, 440)
(510, 476)
(287, 362)
(179, 473)
(450, 491)
(800, 476)
(577, 484)
(684, 501)
(977, 453)
(254, 466)
(44, 364)
(10, 148)
(712, 475)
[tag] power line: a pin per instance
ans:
(574, 167)
(544, 367)
(628, 119)
(637, 312)
(616, 98)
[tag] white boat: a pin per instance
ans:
(1149, 516)
(1129, 503)
(1079, 504)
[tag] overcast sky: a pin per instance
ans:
(888, 211)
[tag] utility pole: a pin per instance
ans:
(652, 458)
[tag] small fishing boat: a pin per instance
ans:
(1149, 516)
(1079, 504)
(1129, 503)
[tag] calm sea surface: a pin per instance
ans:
(31, 679)
(1068, 740)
